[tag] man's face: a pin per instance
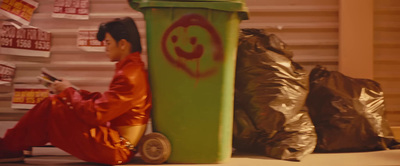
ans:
(112, 48)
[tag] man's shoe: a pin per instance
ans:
(10, 157)
(28, 152)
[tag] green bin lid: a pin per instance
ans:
(224, 5)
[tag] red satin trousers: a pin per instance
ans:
(52, 121)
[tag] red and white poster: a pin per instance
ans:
(24, 40)
(19, 10)
(7, 71)
(28, 95)
(87, 41)
(71, 9)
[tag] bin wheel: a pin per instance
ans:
(154, 148)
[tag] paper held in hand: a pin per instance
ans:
(47, 78)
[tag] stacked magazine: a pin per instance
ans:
(47, 78)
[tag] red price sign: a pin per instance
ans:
(19, 10)
(72, 9)
(87, 40)
(26, 96)
(25, 40)
(7, 71)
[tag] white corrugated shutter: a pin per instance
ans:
(387, 55)
(87, 70)
(309, 27)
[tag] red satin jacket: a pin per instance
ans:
(127, 102)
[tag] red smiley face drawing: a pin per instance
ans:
(191, 40)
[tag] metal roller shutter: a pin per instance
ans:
(387, 55)
(87, 70)
(309, 27)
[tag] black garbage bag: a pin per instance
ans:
(270, 93)
(347, 113)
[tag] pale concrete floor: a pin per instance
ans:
(54, 156)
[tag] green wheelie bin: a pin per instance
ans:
(191, 48)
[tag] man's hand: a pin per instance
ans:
(59, 86)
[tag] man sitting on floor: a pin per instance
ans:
(95, 127)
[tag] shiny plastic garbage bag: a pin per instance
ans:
(270, 94)
(347, 113)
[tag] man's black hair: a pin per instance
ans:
(121, 29)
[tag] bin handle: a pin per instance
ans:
(134, 4)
